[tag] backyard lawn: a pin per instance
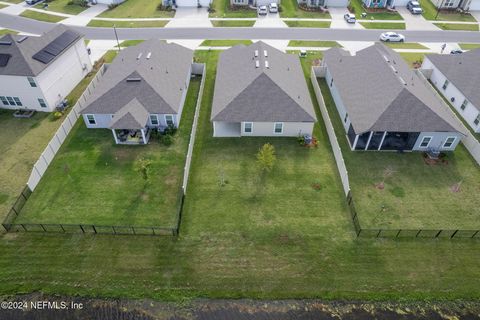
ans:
(232, 23)
(290, 9)
(93, 181)
(41, 16)
(308, 24)
(224, 10)
(64, 6)
(137, 9)
(127, 24)
(356, 7)
(383, 25)
(457, 26)
(430, 12)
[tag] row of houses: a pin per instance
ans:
(259, 91)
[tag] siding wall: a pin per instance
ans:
(342, 111)
(290, 129)
(326, 3)
(15, 86)
(438, 139)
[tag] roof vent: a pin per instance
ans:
(385, 58)
(256, 53)
(403, 81)
(5, 43)
(265, 53)
(139, 56)
(22, 39)
(149, 55)
(393, 68)
(134, 79)
(257, 64)
(266, 64)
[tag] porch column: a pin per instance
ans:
(115, 136)
(368, 141)
(143, 136)
(381, 142)
(355, 142)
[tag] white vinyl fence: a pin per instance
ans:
(470, 142)
(337, 152)
(56, 142)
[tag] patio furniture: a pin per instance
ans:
(24, 113)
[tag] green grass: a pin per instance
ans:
(405, 45)
(383, 25)
(224, 10)
(232, 23)
(356, 7)
(129, 43)
(224, 43)
(62, 6)
(3, 6)
(94, 181)
(308, 24)
(416, 195)
(6, 31)
(290, 9)
(306, 43)
(127, 24)
(413, 57)
(284, 242)
(457, 26)
(430, 12)
(469, 46)
(41, 16)
(137, 9)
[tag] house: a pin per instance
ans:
(385, 105)
(187, 3)
(37, 73)
(143, 89)
(253, 3)
(323, 3)
(468, 5)
(457, 78)
(260, 91)
(384, 3)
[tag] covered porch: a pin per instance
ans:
(227, 129)
(382, 140)
(131, 136)
(129, 124)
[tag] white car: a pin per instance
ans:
(262, 11)
(350, 18)
(392, 37)
(414, 7)
(273, 7)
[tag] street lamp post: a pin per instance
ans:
(116, 36)
(438, 9)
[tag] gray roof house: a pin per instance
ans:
(385, 105)
(260, 91)
(457, 77)
(144, 88)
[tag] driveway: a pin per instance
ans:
(476, 15)
(415, 21)
(271, 20)
(190, 18)
(15, 9)
(338, 22)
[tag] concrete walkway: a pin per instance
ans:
(271, 20)
(190, 18)
(415, 21)
(84, 17)
(338, 22)
(14, 9)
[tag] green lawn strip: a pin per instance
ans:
(232, 23)
(3, 6)
(383, 25)
(413, 57)
(224, 43)
(409, 182)
(7, 31)
(457, 26)
(306, 43)
(222, 9)
(357, 8)
(129, 43)
(430, 13)
(469, 46)
(290, 9)
(405, 45)
(127, 24)
(137, 9)
(63, 6)
(41, 16)
(308, 24)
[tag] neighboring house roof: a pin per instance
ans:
(246, 92)
(132, 116)
(153, 73)
(463, 71)
(22, 50)
(381, 93)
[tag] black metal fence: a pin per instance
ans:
(10, 225)
(406, 233)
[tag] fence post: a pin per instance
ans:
(398, 233)
(133, 230)
(418, 233)
(61, 226)
(114, 231)
(23, 226)
(453, 235)
(41, 225)
(379, 231)
(153, 231)
(475, 233)
(358, 233)
(94, 230)
(436, 236)
(81, 228)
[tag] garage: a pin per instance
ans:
(191, 3)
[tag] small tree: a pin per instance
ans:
(266, 157)
(142, 165)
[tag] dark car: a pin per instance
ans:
(456, 51)
(32, 2)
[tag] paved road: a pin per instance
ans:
(33, 26)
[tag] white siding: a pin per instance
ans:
(474, 5)
(290, 129)
(109, 1)
(184, 95)
(438, 139)
(342, 111)
(16, 86)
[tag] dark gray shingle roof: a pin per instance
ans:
(21, 62)
(244, 92)
(463, 71)
(381, 93)
(132, 116)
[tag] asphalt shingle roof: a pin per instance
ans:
(463, 71)
(381, 93)
(245, 92)
(132, 116)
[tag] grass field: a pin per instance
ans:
(430, 12)
(469, 46)
(290, 9)
(383, 25)
(3, 6)
(457, 26)
(93, 181)
(5, 31)
(412, 57)
(306, 43)
(308, 24)
(224, 10)
(127, 24)
(405, 45)
(224, 43)
(41, 16)
(232, 23)
(62, 6)
(356, 7)
(137, 9)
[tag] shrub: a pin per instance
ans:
(170, 130)
(57, 115)
(266, 157)
(142, 165)
(167, 139)
(211, 9)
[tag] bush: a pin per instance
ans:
(57, 115)
(211, 9)
(280, 8)
(167, 140)
(170, 130)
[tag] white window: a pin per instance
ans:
(449, 142)
(32, 82)
(247, 127)
(449, 3)
(42, 103)
(425, 142)
(477, 120)
(278, 128)
(91, 119)
(4, 100)
(464, 104)
(169, 120)
(154, 119)
(445, 84)
(11, 101)
(17, 101)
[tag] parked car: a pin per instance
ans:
(303, 53)
(273, 7)
(392, 37)
(350, 18)
(456, 51)
(32, 2)
(414, 7)
(262, 11)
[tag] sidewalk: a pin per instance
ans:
(84, 17)
(190, 18)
